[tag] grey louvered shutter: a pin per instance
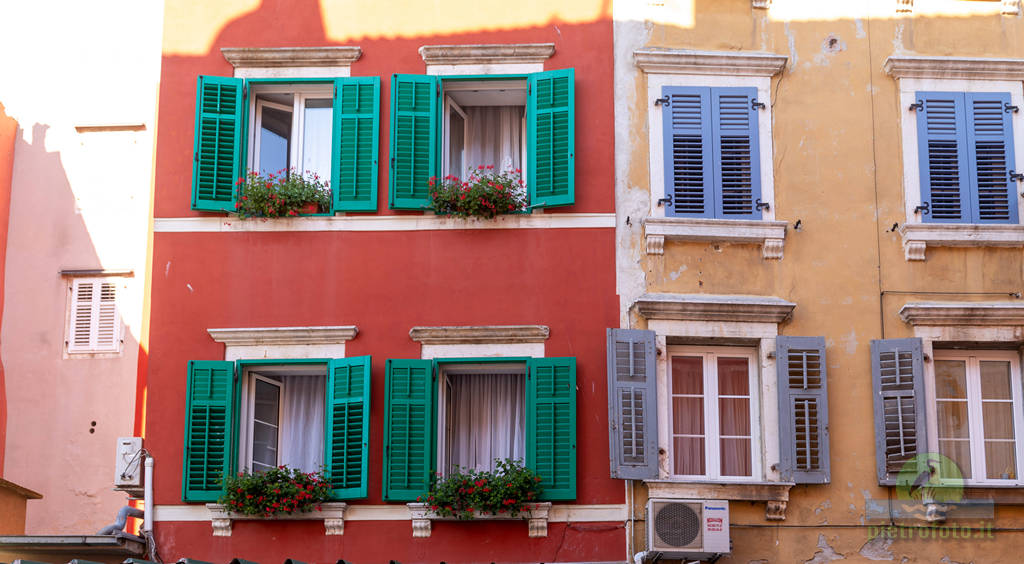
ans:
(803, 410)
(990, 156)
(736, 155)
(632, 405)
(897, 378)
(942, 154)
(686, 134)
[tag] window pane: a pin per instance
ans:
(687, 375)
(734, 416)
(997, 419)
(952, 419)
(688, 454)
(456, 144)
(1000, 462)
(275, 139)
(268, 402)
(733, 377)
(486, 420)
(995, 379)
(735, 457)
(687, 416)
(959, 451)
(316, 140)
(266, 410)
(950, 379)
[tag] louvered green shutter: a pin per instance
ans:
(355, 140)
(990, 157)
(942, 156)
(897, 379)
(632, 404)
(551, 425)
(209, 417)
(803, 410)
(686, 135)
(737, 169)
(415, 117)
(408, 433)
(347, 426)
(217, 166)
(550, 126)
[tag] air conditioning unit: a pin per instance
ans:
(697, 529)
(128, 465)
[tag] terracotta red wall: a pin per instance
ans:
(8, 132)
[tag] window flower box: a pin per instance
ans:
(536, 515)
(331, 513)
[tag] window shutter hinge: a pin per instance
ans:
(923, 208)
(919, 106)
(1008, 108)
(664, 100)
(665, 200)
(1016, 176)
(754, 104)
(759, 205)
(245, 90)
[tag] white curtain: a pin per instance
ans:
(494, 136)
(302, 440)
(486, 418)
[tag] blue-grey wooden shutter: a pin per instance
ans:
(942, 157)
(415, 127)
(897, 378)
(408, 429)
(355, 138)
(217, 166)
(347, 425)
(209, 420)
(990, 157)
(803, 410)
(551, 425)
(632, 404)
(737, 169)
(551, 138)
(687, 140)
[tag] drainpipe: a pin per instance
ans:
(147, 497)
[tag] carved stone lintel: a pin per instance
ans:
(1011, 7)
(763, 4)
(775, 510)
(332, 514)
(904, 6)
(221, 526)
(487, 54)
(914, 250)
(773, 248)
(655, 244)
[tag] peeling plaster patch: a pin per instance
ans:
(762, 561)
(946, 560)
(827, 504)
(167, 269)
(860, 28)
(675, 275)
(825, 553)
(877, 549)
(832, 44)
(897, 38)
(189, 286)
(791, 41)
(853, 507)
(850, 342)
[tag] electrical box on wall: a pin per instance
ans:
(128, 464)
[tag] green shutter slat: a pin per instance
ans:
(551, 125)
(217, 164)
(209, 419)
(415, 111)
(355, 141)
(347, 426)
(408, 438)
(551, 425)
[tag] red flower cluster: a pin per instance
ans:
(484, 193)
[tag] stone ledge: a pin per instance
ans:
(483, 334)
(963, 313)
(277, 57)
(729, 63)
(513, 53)
(912, 66)
(284, 335)
(770, 234)
(918, 236)
(332, 514)
(709, 307)
(537, 518)
(776, 494)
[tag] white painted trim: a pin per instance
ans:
(771, 235)
(559, 513)
(480, 334)
(972, 68)
(291, 62)
(488, 68)
(384, 223)
(723, 63)
(293, 72)
(917, 237)
(464, 350)
(511, 53)
(909, 86)
(963, 313)
(710, 307)
(284, 335)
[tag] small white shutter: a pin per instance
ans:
(95, 323)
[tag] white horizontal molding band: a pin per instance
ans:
(911, 66)
(284, 335)
(384, 223)
(512, 53)
(558, 514)
(660, 60)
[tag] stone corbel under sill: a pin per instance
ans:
(770, 234)
(332, 514)
(919, 236)
(774, 494)
(538, 519)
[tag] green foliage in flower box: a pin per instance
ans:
(507, 490)
(281, 195)
(280, 490)
(484, 194)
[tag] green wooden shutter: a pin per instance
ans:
(408, 435)
(415, 111)
(347, 426)
(209, 416)
(550, 137)
(355, 141)
(217, 166)
(551, 425)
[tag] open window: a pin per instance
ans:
(291, 127)
(484, 124)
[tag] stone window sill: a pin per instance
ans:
(770, 234)
(332, 514)
(537, 518)
(776, 494)
(918, 236)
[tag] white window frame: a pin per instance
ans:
(301, 93)
(712, 435)
(971, 359)
(250, 413)
(451, 105)
(93, 349)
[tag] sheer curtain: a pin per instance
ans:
(494, 136)
(302, 440)
(486, 418)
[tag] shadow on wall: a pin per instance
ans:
(8, 133)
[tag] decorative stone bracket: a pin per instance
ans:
(332, 514)
(537, 518)
(770, 234)
(918, 236)
(774, 494)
